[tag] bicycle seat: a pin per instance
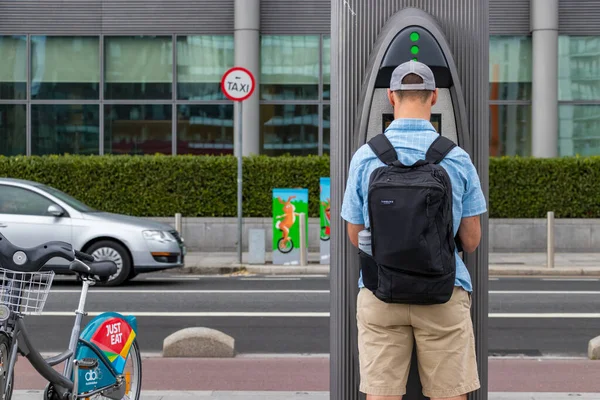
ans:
(101, 269)
(32, 259)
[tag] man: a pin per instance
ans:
(443, 332)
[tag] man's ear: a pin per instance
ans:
(391, 97)
(434, 98)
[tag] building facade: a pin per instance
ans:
(143, 77)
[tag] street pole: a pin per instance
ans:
(239, 181)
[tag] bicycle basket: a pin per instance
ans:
(25, 292)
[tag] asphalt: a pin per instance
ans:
(179, 395)
(500, 264)
(290, 315)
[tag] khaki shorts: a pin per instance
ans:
(445, 346)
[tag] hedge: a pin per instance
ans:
(205, 186)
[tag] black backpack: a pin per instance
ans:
(412, 240)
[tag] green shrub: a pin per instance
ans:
(206, 186)
(196, 186)
(530, 187)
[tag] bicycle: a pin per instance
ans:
(97, 357)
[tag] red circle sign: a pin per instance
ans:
(238, 84)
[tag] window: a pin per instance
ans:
(326, 129)
(510, 130)
(579, 68)
(61, 129)
(19, 201)
(326, 67)
(290, 129)
(65, 68)
(137, 129)
(510, 70)
(13, 68)
(201, 63)
(205, 129)
(12, 129)
(138, 68)
(290, 67)
(579, 129)
(510, 67)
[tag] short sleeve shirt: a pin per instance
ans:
(411, 138)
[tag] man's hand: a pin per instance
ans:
(353, 233)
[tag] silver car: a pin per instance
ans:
(32, 213)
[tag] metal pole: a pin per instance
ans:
(239, 181)
(178, 227)
(550, 245)
(302, 239)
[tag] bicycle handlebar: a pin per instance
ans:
(33, 259)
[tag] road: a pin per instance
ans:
(528, 316)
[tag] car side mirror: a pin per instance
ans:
(55, 210)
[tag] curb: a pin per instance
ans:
(494, 270)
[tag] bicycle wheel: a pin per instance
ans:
(133, 375)
(6, 389)
(285, 248)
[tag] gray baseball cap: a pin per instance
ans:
(412, 67)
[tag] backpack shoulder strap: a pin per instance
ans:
(440, 147)
(383, 149)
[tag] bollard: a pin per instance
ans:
(302, 239)
(550, 244)
(178, 227)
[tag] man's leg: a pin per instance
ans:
(385, 343)
(446, 347)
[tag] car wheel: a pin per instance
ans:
(113, 251)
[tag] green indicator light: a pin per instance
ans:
(414, 49)
(414, 36)
(414, 59)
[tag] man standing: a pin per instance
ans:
(444, 331)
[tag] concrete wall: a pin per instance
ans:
(506, 235)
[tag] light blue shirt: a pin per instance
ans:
(412, 138)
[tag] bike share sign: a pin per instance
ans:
(238, 84)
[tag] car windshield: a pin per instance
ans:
(76, 204)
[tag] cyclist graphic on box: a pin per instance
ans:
(285, 244)
(326, 229)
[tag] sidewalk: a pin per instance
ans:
(500, 264)
(174, 395)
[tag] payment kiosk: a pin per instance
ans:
(370, 41)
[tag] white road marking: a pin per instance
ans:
(270, 279)
(575, 292)
(156, 291)
(198, 314)
(234, 314)
(570, 279)
(545, 315)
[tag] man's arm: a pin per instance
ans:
(353, 230)
(469, 233)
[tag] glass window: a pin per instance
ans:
(290, 129)
(201, 63)
(579, 130)
(289, 67)
(61, 128)
(510, 67)
(65, 68)
(19, 201)
(326, 67)
(326, 129)
(579, 68)
(76, 204)
(137, 129)
(138, 68)
(510, 130)
(13, 67)
(205, 129)
(13, 136)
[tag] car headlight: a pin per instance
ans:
(159, 236)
